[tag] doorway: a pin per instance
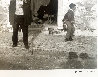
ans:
(45, 11)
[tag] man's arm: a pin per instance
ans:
(12, 8)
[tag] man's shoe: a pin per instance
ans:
(26, 46)
(14, 45)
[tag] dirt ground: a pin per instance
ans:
(48, 52)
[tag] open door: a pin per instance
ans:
(40, 8)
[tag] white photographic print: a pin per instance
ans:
(47, 35)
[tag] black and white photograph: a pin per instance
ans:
(48, 34)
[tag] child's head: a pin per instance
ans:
(72, 6)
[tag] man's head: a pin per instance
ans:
(72, 6)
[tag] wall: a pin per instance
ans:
(63, 6)
(62, 9)
(83, 13)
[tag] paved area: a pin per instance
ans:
(48, 52)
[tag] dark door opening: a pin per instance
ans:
(48, 12)
(51, 10)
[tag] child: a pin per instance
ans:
(69, 21)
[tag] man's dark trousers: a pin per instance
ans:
(19, 21)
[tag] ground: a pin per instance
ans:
(48, 52)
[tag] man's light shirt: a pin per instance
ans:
(19, 7)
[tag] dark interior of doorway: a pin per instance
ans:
(48, 14)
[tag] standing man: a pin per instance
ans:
(69, 21)
(20, 16)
